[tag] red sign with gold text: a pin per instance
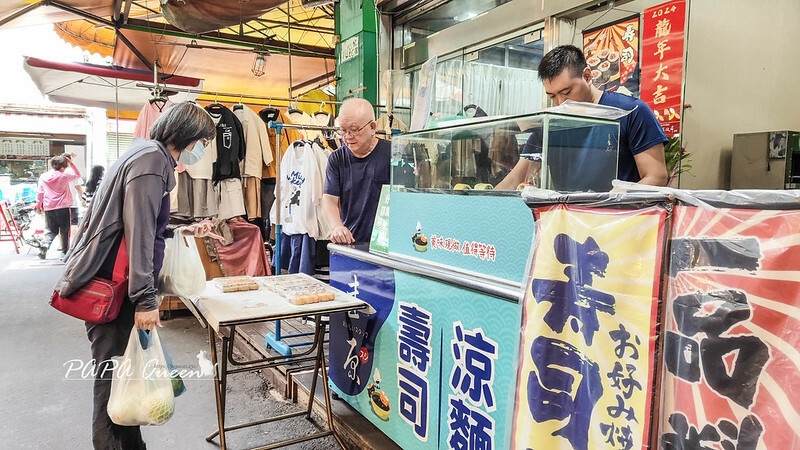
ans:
(663, 32)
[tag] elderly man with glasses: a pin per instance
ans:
(356, 172)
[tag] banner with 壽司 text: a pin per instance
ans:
(732, 316)
(586, 363)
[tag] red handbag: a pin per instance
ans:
(99, 300)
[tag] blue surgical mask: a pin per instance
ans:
(189, 157)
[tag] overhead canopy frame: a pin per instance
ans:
(101, 86)
(269, 31)
(298, 42)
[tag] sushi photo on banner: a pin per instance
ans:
(732, 315)
(612, 53)
(586, 362)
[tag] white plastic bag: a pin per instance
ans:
(141, 387)
(182, 273)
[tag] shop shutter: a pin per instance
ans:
(124, 139)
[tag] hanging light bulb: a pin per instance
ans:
(258, 65)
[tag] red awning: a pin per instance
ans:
(99, 86)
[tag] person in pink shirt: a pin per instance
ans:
(55, 199)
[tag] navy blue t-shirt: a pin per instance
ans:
(638, 131)
(357, 182)
(579, 168)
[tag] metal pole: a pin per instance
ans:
(278, 126)
(116, 111)
(21, 12)
(289, 41)
(226, 94)
(278, 228)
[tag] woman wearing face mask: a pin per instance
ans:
(195, 154)
(133, 203)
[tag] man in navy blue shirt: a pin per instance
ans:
(356, 171)
(566, 76)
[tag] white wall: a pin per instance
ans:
(740, 76)
(80, 159)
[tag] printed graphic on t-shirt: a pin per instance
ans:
(227, 136)
(296, 179)
(295, 198)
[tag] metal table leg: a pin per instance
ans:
(321, 362)
(221, 371)
(218, 394)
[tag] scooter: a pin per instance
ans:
(35, 234)
(23, 213)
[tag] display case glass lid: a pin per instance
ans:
(557, 151)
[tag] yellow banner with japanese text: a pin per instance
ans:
(586, 365)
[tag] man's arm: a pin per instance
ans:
(516, 176)
(330, 207)
(651, 166)
(74, 174)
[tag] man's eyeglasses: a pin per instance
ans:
(346, 133)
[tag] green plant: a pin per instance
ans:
(676, 159)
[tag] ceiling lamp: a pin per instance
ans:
(258, 65)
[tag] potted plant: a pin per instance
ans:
(676, 159)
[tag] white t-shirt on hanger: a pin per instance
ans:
(301, 189)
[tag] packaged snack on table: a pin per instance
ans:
(299, 289)
(236, 284)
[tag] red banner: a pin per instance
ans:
(731, 331)
(612, 52)
(663, 44)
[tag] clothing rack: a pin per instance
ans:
(279, 127)
(240, 96)
(275, 340)
(247, 96)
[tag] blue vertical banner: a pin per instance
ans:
(353, 335)
(434, 367)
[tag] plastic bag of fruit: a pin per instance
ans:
(141, 386)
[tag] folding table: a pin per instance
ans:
(223, 312)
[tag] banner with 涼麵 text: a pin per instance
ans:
(586, 363)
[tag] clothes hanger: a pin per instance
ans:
(158, 98)
(293, 108)
(216, 103)
(215, 109)
(321, 112)
(269, 113)
(239, 105)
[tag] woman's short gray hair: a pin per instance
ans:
(182, 124)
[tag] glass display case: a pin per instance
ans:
(556, 151)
